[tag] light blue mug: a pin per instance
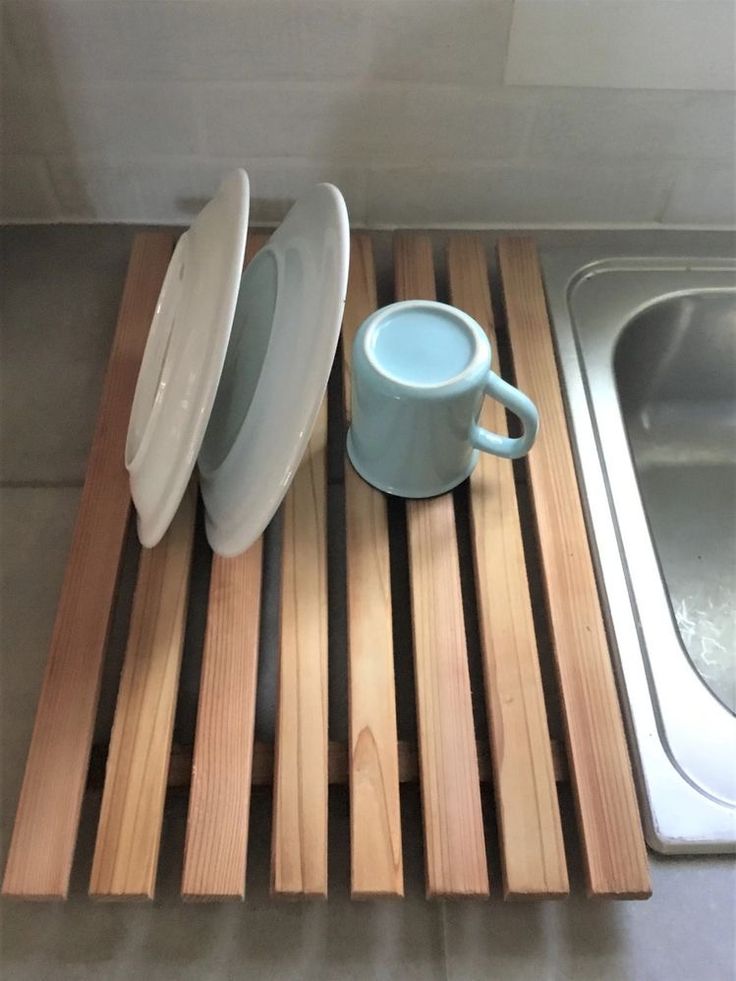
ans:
(420, 371)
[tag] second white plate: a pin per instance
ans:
(282, 346)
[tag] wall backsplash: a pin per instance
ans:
(131, 110)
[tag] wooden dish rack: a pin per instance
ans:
(226, 760)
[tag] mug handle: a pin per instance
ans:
(521, 406)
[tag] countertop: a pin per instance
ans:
(60, 287)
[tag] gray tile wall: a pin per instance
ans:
(131, 110)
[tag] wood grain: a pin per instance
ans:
(129, 831)
(261, 774)
(217, 826)
(216, 845)
(453, 821)
(375, 818)
(42, 846)
(532, 849)
(613, 845)
(299, 842)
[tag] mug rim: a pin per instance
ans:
(478, 365)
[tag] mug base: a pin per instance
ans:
(406, 491)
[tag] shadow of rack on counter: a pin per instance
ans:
(447, 756)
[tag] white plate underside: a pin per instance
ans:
(184, 356)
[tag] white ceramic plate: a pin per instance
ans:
(184, 356)
(281, 350)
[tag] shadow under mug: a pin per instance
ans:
(420, 371)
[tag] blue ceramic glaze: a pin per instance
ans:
(420, 371)
(422, 347)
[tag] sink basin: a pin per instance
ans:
(675, 369)
(647, 351)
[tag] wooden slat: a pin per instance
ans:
(532, 849)
(299, 843)
(453, 822)
(128, 835)
(375, 819)
(180, 764)
(613, 845)
(217, 825)
(44, 836)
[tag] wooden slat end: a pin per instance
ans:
(122, 897)
(517, 243)
(193, 896)
(361, 895)
(520, 892)
(478, 892)
(644, 891)
(11, 892)
(295, 895)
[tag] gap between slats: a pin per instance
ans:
(532, 850)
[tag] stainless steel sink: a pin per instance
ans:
(647, 350)
(675, 367)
